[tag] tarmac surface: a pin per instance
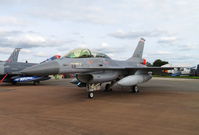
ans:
(56, 107)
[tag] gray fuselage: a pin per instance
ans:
(80, 65)
(13, 68)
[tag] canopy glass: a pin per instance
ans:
(85, 53)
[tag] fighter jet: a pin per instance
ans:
(10, 70)
(93, 69)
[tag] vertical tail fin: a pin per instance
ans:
(14, 56)
(137, 55)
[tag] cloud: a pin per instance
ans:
(26, 50)
(42, 54)
(19, 39)
(76, 13)
(104, 47)
(167, 40)
(5, 50)
(163, 52)
(113, 52)
(189, 47)
(137, 34)
(11, 20)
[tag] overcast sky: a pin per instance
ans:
(44, 28)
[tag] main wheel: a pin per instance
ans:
(135, 89)
(14, 83)
(107, 88)
(90, 95)
(36, 82)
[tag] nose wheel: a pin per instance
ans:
(91, 88)
(90, 95)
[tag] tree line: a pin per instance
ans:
(157, 63)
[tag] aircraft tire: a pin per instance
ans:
(90, 95)
(36, 82)
(107, 88)
(14, 83)
(135, 89)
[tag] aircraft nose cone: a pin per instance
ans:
(46, 68)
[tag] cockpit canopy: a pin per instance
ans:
(85, 53)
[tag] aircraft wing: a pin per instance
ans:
(157, 70)
(130, 68)
(151, 68)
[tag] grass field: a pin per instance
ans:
(184, 77)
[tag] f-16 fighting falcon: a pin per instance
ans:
(10, 70)
(93, 69)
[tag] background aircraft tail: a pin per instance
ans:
(137, 55)
(14, 56)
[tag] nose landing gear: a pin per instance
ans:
(91, 88)
(135, 89)
(90, 95)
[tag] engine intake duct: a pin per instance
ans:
(98, 77)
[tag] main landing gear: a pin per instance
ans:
(107, 88)
(91, 88)
(14, 83)
(36, 82)
(135, 89)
